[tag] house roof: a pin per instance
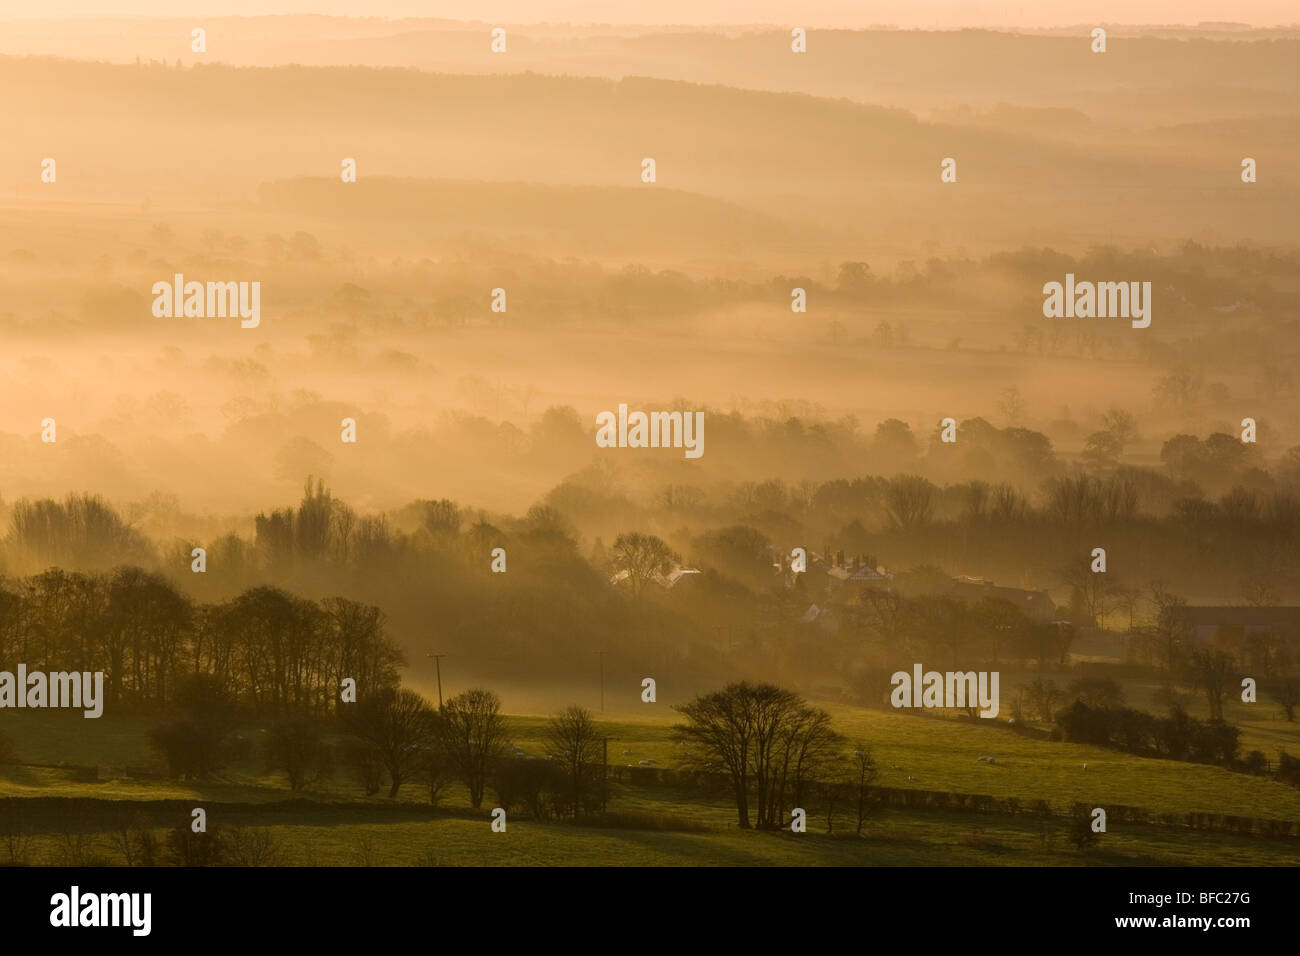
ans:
(864, 573)
(1230, 616)
(678, 575)
(670, 580)
(1021, 598)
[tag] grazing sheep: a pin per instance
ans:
(1085, 766)
(627, 753)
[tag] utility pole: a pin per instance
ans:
(601, 655)
(437, 660)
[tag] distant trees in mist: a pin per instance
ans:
(269, 651)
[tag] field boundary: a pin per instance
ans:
(987, 803)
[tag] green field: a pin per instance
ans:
(893, 838)
(660, 824)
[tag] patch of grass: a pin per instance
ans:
(652, 825)
(894, 838)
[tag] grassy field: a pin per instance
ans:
(411, 835)
(335, 824)
(943, 754)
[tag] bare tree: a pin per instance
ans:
(884, 613)
(1179, 388)
(717, 734)
(1043, 695)
(575, 742)
(472, 733)
(832, 789)
(642, 556)
(765, 738)
(1209, 669)
(294, 745)
(1102, 450)
(865, 772)
(1171, 629)
(395, 724)
(1012, 405)
(1258, 592)
(1120, 424)
(1286, 691)
(438, 771)
(909, 501)
(806, 749)
(1092, 589)
(1128, 600)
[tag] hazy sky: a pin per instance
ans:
(850, 13)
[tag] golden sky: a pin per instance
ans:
(846, 13)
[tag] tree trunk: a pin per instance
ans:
(742, 805)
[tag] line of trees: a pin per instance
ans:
(1176, 737)
(392, 737)
(277, 651)
(268, 650)
(944, 630)
(467, 741)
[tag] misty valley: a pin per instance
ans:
(991, 557)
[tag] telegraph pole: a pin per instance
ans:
(437, 661)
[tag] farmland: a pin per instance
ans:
(658, 823)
